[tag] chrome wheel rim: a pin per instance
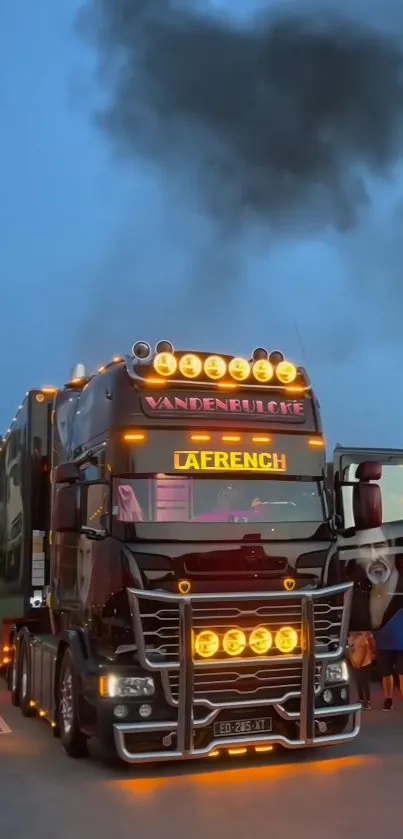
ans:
(14, 672)
(66, 702)
(24, 675)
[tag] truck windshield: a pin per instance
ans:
(180, 485)
(170, 499)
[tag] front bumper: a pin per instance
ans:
(190, 735)
(122, 732)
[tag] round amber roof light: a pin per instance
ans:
(286, 372)
(190, 365)
(239, 369)
(165, 364)
(215, 367)
(263, 370)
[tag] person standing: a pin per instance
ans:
(377, 574)
(360, 655)
(386, 602)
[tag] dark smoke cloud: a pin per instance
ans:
(282, 117)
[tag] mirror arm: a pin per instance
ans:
(92, 533)
(348, 532)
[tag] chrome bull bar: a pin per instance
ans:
(184, 727)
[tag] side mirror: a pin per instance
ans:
(67, 473)
(66, 510)
(369, 470)
(367, 506)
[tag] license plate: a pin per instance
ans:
(240, 727)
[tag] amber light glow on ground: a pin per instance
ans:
(304, 795)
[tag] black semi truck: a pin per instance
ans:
(170, 581)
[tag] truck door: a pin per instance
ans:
(368, 486)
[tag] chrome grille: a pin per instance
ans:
(270, 683)
(161, 625)
(328, 622)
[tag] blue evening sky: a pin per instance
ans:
(95, 254)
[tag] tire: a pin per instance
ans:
(74, 742)
(24, 681)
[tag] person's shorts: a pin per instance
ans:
(389, 662)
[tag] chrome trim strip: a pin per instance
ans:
(185, 691)
(251, 596)
(242, 703)
(307, 724)
(327, 711)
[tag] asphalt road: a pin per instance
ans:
(353, 793)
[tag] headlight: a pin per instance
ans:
(113, 687)
(336, 671)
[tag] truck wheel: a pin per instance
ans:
(24, 681)
(74, 742)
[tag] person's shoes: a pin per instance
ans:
(366, 706)
(388, 705)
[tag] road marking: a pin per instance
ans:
(4, 728)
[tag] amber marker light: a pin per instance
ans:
(134, 437)
(184, 586)
(316, 443)
(231, 438)
(261, 439)
(200, 438)
(152, 380)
